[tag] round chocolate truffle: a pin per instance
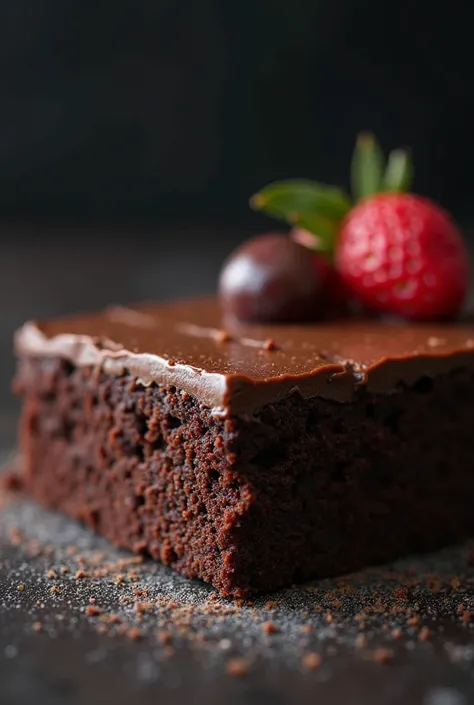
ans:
(271, 278)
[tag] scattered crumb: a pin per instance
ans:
(237, 667)
(269, 344)
(37, 626)
(54, 588)
(134, 633)
(383, 656)
(222, 336)
(311, 661)
(92, 611)
(413, 621)
(52, 574)
(424, 634)
(110, 618)
(164, 637)
(401, 594)
(80, 574)
(269, 628)
(15, 536)
(361, 641)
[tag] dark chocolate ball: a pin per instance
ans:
(271, 278)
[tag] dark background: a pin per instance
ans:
(177, 110)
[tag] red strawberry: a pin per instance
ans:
(402, 254)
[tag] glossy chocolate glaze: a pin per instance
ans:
(235, 368)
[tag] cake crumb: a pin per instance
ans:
(467, 616)
(269, 344)
(37, 626)
(110, 618)
(237, 667)
(424, 634)
(311, 661)
(20, 587)
(92, 611)
(222, 336)
(80, 574)
(269, 628)
(361, 641)
(383, 656)
(54, 588)
(15, 536)
(397, 633)
(134, 633)
(164, 637)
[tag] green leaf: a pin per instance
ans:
(324, 229)
(367, 167)
(399, 172)
(289, 199)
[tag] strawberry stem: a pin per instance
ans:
(399, 172)
(367, 167)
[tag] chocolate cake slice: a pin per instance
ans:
(251, 456)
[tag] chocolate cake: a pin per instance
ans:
(251, 456)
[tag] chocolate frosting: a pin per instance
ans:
(234, 368)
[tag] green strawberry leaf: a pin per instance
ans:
(399, 172)
(289, 199)
(324, 230)
(367, 167)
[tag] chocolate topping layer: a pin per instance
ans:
(234, 368)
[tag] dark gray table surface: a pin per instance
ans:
(403, 634)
